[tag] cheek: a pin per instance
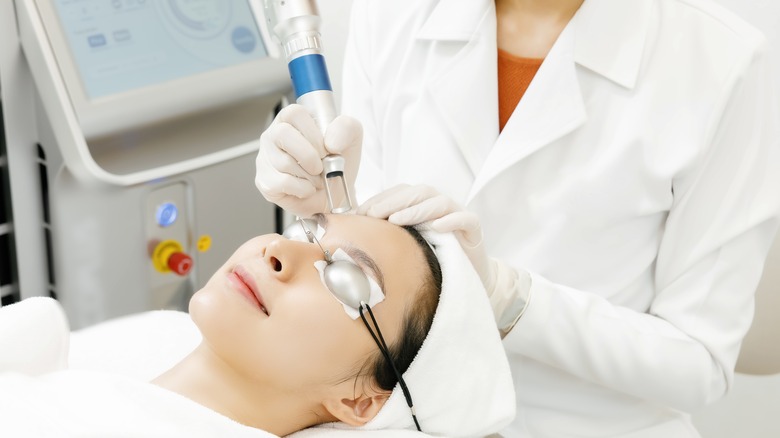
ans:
(314, 339)
(227, 325)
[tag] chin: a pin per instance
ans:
(204, 308)
(195, 306)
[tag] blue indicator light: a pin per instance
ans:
(167, 214)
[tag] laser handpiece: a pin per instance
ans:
(296, 23)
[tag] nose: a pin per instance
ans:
(286, 257)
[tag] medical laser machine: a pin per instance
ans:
(147, 120)
(296, 24)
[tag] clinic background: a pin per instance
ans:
(752, 409)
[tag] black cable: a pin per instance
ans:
(398, 374)
(386, 353)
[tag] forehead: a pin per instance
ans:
(377, 237)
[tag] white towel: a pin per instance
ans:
(143, 345)
(82, 403)
(40, 398)
(333, 430)
(460, 380)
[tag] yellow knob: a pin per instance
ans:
(204, 243)
(162, 252)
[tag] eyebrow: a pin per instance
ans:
(321, 219)
(361, 257)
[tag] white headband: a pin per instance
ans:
(460, 380)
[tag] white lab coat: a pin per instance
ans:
(637, 181)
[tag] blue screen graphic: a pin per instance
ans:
(122, 45)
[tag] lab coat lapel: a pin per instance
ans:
(466, 79)
(551, 107)
(606, 37)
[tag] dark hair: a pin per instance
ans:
(417, 321)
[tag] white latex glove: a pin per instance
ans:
(508, 288)
(289, 162)
(412, 205)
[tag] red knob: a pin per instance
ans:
(180, 263)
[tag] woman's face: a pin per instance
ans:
(300, 337)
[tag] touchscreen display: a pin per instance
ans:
(121, 45)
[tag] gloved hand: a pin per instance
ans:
(412, 205)
(289, 162)
(508, 288)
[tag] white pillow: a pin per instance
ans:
(33, 337)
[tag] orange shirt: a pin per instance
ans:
(514, 76)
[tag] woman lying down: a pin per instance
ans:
(280, 353)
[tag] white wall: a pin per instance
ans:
(765, 15)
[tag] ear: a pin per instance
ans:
(358, 411)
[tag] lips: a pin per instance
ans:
(245, 284)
